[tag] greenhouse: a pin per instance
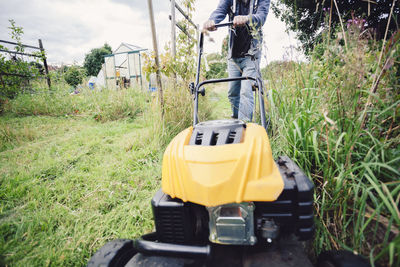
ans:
(122, 68)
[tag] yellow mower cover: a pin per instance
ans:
(217, 175)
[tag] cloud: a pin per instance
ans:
(142, 4)
(70, 29)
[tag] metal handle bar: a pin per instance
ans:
(198, 84)
(258, 86)
(223, 80)
(220, 25)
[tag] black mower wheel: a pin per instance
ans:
(341, 258)
(116, 253)
(158, 261)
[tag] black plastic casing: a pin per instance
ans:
(187, 223)
(178, 222)
(293, 211)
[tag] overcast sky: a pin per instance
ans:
(70, 28)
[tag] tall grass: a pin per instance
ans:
(107, 105)
(104, 105)
(178, 112)
(71, 181)
(317, 119)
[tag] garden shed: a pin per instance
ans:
(122, 68)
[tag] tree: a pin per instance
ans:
(311, 18)
(217, 62)
(95, 59)
(74, 75)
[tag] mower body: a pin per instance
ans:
(224, 200)
(222, 195)
(220, 184)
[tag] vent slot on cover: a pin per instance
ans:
(231, 137)
(214, 139)
(215, 133)
(199, 138)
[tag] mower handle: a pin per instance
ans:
(200, 47)
(220, 25)
(197, 85)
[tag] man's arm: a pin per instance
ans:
(218, 15)
(259, 18)
(222, 10)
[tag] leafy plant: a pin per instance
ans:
(184, 62)
(74, 75)
(15, 73)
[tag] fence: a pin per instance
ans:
(41, 55)
(172, 17)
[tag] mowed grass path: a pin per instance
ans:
(70, 184)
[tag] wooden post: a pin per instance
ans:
(155, 47)
(184, 14)
(140, 69)
(173, 32)
(187, 27)
(45, 63)
(197, 36)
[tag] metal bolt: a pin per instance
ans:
(213, 237)
(251, 206)
(269, 240)
(253, 240)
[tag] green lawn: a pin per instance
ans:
(218, 97)
(69, 184)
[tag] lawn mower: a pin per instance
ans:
(224, 200)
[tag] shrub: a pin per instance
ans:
(74, 75)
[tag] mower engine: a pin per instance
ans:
(221, 185)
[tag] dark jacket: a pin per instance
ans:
(243, 41)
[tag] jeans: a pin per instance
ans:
(240, 93)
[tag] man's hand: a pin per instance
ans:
(209, 25)
(240, 21)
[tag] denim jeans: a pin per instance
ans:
(240, 93)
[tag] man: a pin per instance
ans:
(244, 48)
